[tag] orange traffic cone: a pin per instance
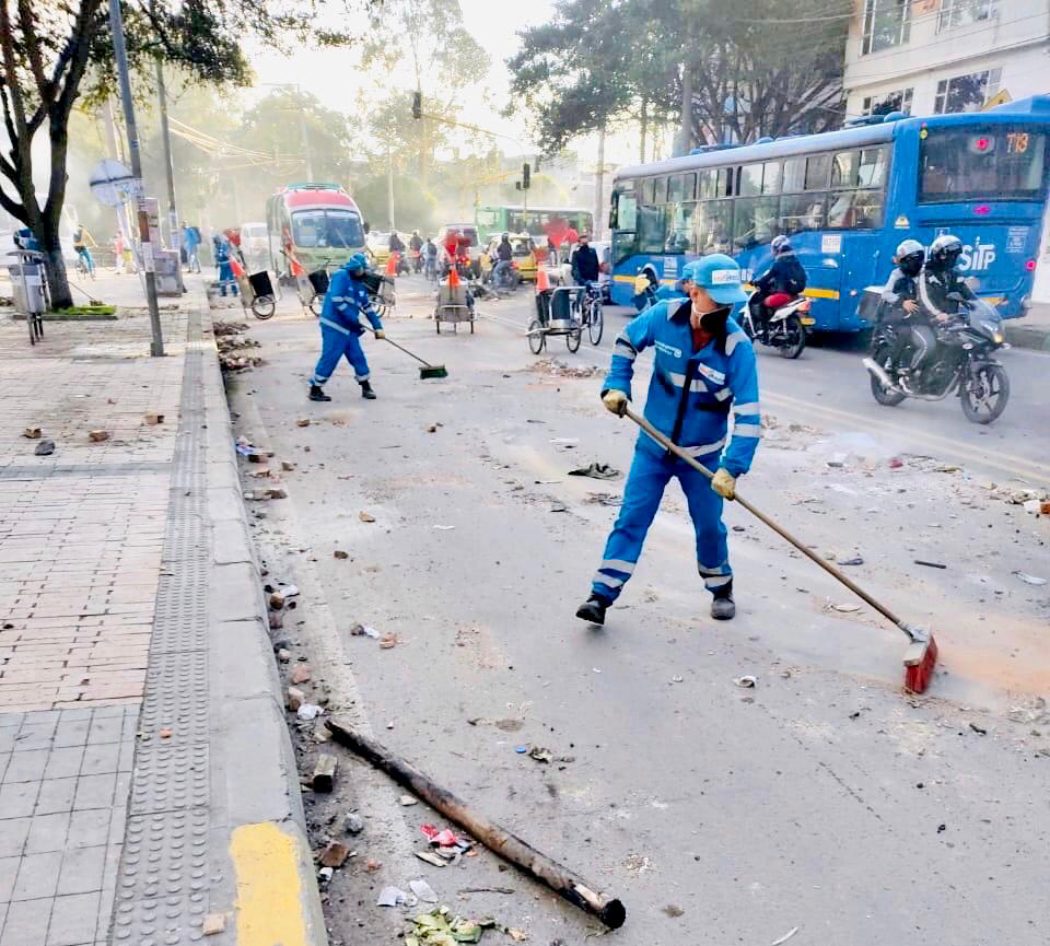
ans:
(453, 276)
(543, 282)
(236, 268)
(297, 269)
(391, 264)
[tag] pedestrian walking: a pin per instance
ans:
(191, 241)
(341, 329)
(704, 368)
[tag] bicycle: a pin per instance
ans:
(82, 266)
(587, 309)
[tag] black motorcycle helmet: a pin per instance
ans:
(910, 257)
(945, 252)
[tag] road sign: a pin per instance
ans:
(112, 183)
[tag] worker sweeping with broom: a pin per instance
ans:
(704, 369)
(341, 330)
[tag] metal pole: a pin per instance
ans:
(390, 188)
(306, 145)
(173, 214)
(116, 25)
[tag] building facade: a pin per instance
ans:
(932, 57)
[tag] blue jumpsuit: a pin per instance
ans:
(341, 330)
(719, 382)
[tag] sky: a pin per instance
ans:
(330, 75)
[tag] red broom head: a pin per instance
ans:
(918, 665)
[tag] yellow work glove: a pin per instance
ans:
(724, 483)
(641, 283)
(380, 333)
(615, 401)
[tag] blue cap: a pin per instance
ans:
(720, 276)
(357, 261)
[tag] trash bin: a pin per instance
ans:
(261, 284)
(28, 293)
(319, 280)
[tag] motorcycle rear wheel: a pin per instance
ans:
(795, 342)
(985, 393)
(885, 396)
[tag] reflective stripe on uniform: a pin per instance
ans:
(717, 582)
(733, 340)
(602, 579)
(723, 394)
(750, 408)
(618, 565)
(335, 325)
(705, 448)
(747, 430)
(625, 349)
(711, 572)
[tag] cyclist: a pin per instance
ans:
(80, 238)
(504, 255)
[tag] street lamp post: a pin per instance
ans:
(116, 24)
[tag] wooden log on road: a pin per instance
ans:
(498, 840)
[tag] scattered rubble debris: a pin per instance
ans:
(392, 897)
(423, 891)
(324, 775)
(674, 911)
(596, 471)
(335, 854)
(353, 823)
(366, 516)
(920, 561)
(214, 923)
(341, 555)
(431, 858)
(45, 448)
(783, 939)
(440, 928)
(301, 673)
(540, 754)
(407, 801)
(303, 422)
(309, 711)
(360, 630)
(605, 499)
(389, 641)
(1030, 579)
(99, 436)
(294, 698)
(856, 560)
(153, 418)
(558, 369)
(32, 433)
(846, 608)
(746, 682)
(980, 730)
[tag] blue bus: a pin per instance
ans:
(846, 199)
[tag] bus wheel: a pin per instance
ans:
(794, 338)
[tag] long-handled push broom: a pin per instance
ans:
(428, 370)
(921, 655)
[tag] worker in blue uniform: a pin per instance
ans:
(704, 369)
(341, 330)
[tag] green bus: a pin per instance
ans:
(538, 222)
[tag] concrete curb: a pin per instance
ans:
(1032, 337)
(267, 844)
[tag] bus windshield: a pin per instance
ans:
(327, 227)
(959, 164)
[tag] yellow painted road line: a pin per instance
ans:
(270, 908)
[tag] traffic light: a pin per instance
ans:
(526, 175)
(417, 104)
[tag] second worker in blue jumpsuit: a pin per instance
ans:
(703, 370)
(341, 330)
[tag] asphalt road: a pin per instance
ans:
(822, 799)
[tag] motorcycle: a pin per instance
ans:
(417, 261)
(962, 364)
(785, 329)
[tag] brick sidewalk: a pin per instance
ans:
(81, 534)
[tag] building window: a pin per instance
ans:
(899, 101)
(956, 13)
(966, 93)
(886, 23)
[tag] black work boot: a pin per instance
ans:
(317, 393)
(366, 391)
(722, 605)
(593, 609)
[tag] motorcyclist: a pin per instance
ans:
(900, 307)
(504, 256)
(783, 281)
(938, 281)
(396, 244)
(344, 304)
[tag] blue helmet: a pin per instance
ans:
(356, 262)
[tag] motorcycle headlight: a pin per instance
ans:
(997, 338)
(991, 328)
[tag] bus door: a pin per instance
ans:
(863, 263)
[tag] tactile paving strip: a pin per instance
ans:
(162, 887)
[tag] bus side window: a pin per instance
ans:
(844, 169)
(800, 212)
(754, 221)
(652, 227)
(714, 226)
(818, 167)
(626, 212)
(681, 236)
(794, 176)
(872, 169)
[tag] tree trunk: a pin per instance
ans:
(685, 132)
(645, 129)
